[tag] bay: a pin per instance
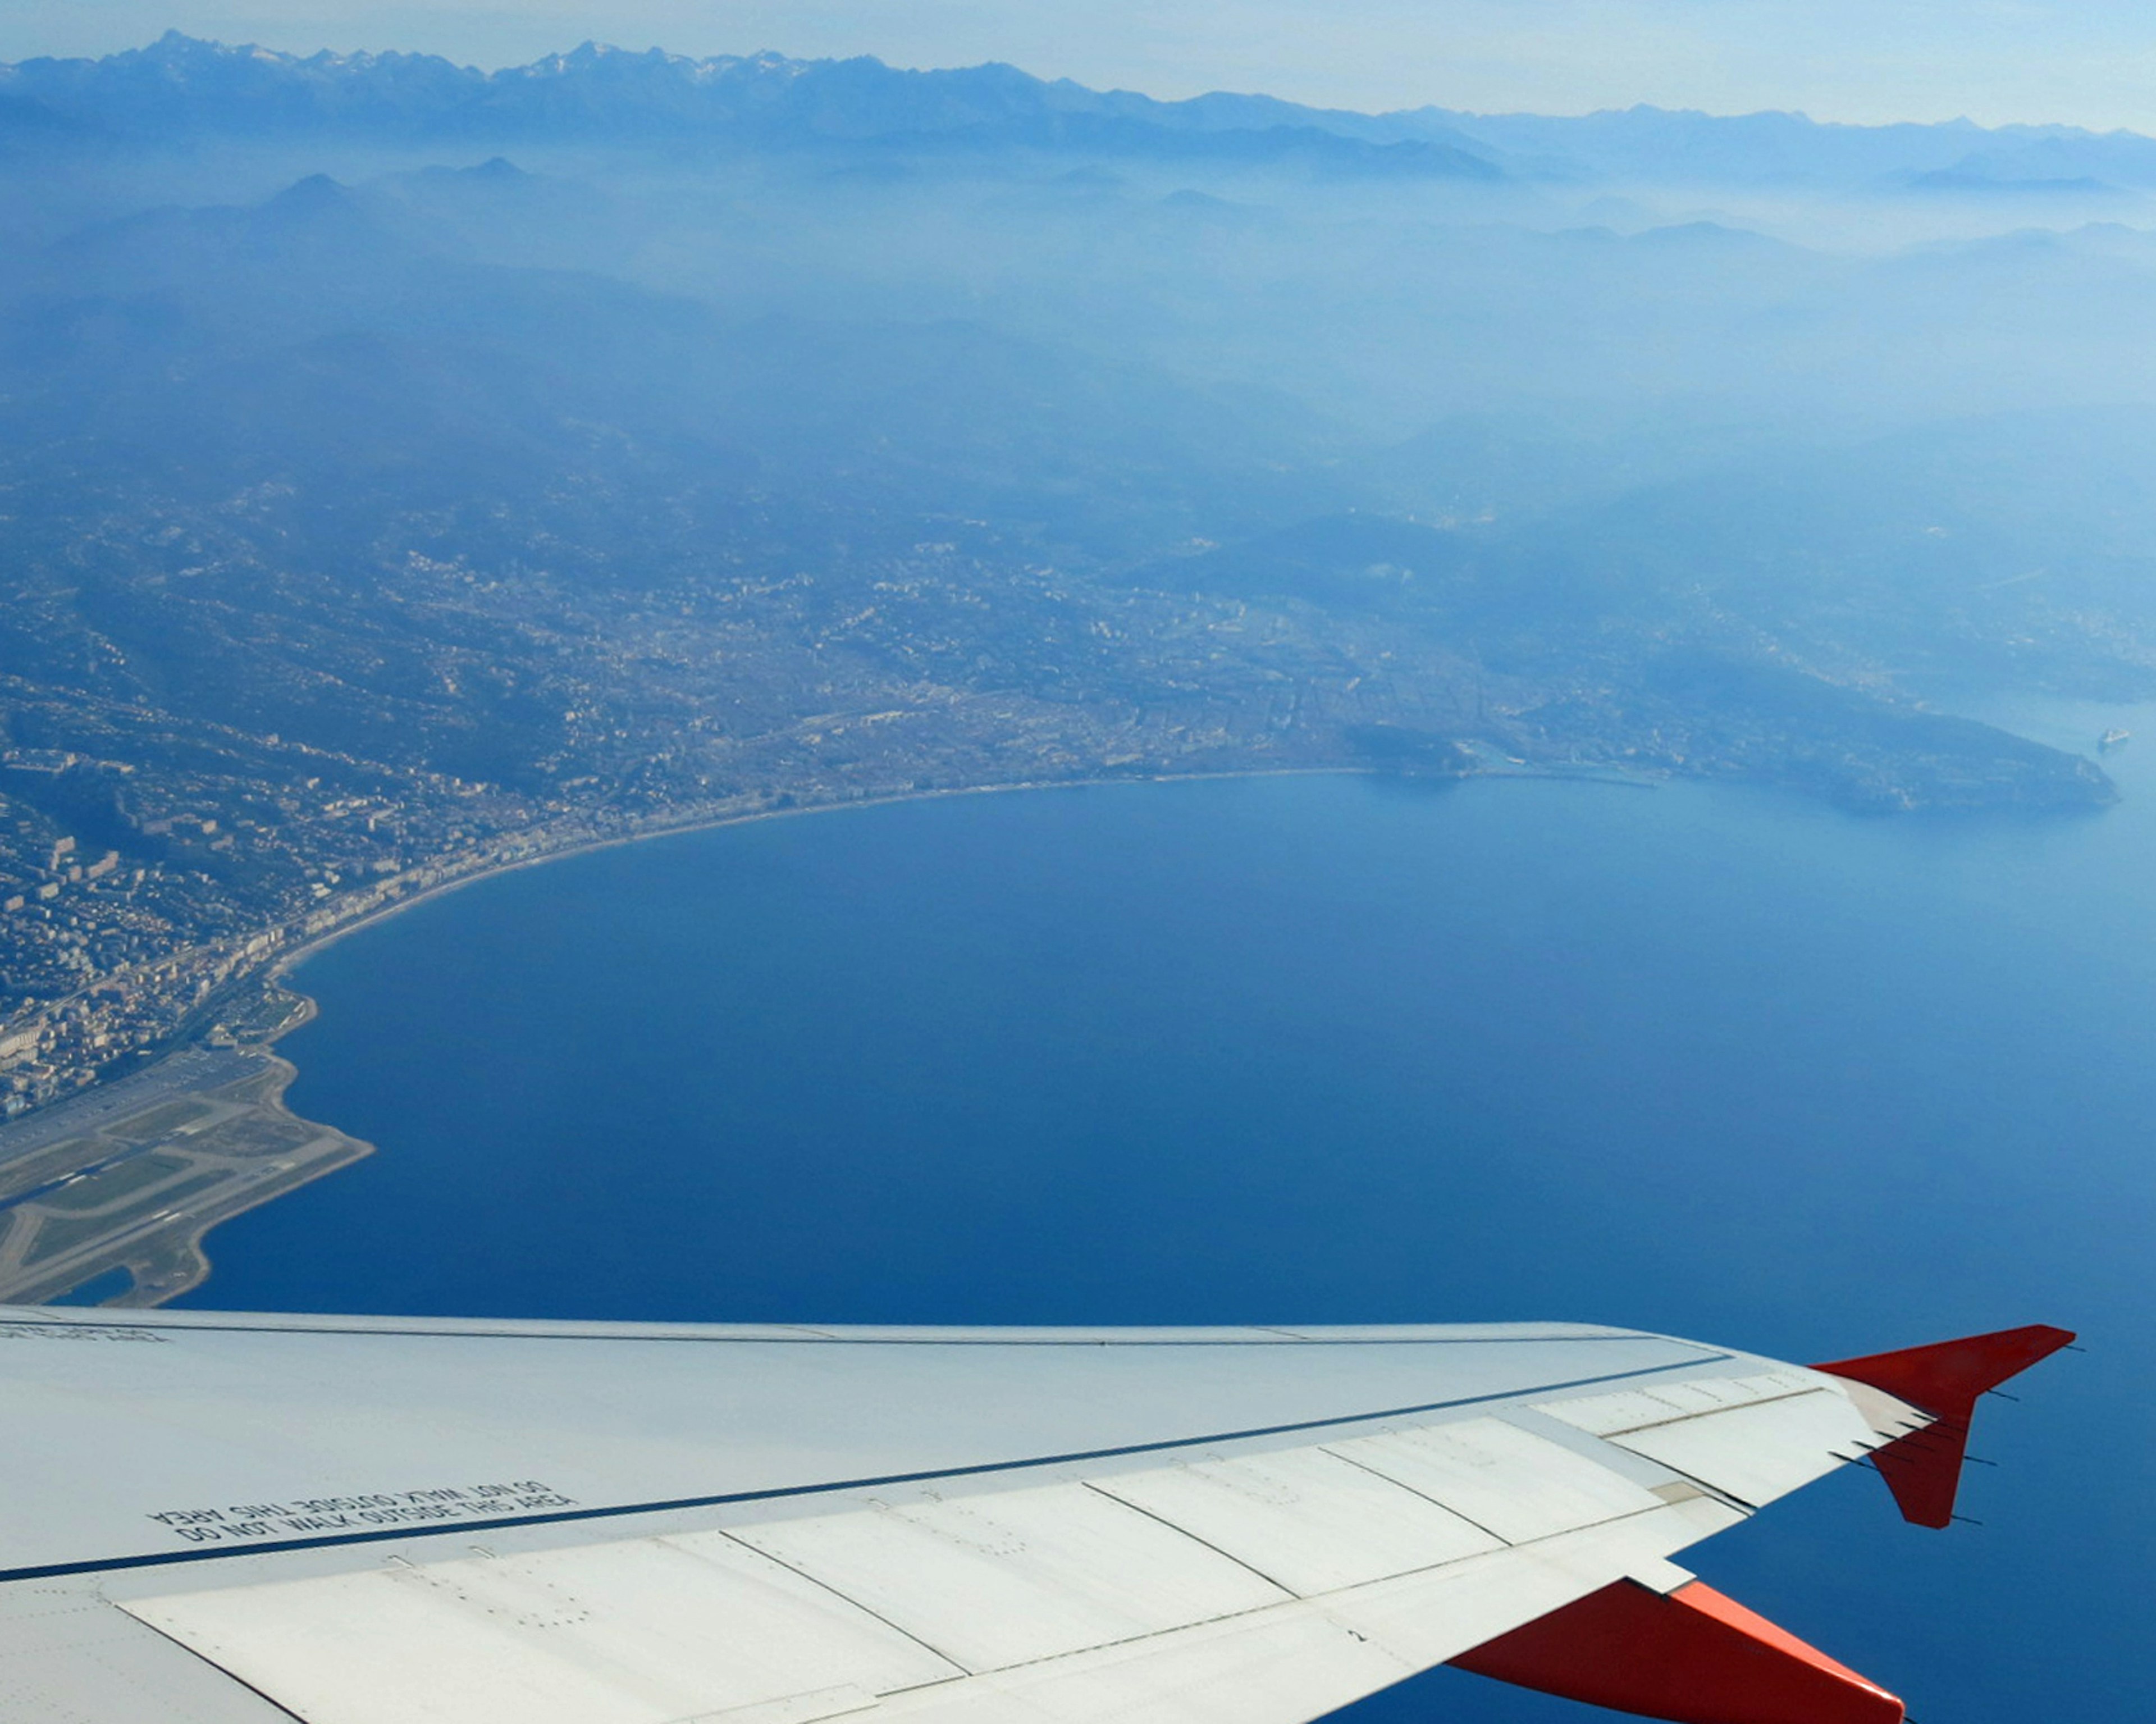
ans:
(1330, 1049)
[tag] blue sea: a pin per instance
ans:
(1332, 1049)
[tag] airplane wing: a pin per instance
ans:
(225, 1519)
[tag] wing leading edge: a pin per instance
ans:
(225, 1519)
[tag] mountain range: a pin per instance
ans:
(179, 87)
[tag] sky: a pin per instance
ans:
(2086, 62)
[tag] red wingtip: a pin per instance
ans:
(1947, 1376)
(1923, 1469)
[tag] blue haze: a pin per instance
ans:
(1328, 1049)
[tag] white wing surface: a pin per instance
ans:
(224, 1518)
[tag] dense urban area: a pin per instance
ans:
(154, 867)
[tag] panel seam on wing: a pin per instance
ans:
(1439, 1502)
(822, 1585)
(1285, 1592)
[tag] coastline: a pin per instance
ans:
(292, 957)
(209, 1163)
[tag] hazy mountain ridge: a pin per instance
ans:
(1682, 145)
(180, 86)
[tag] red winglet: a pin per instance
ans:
(1690, 1656)
(1923, 1469)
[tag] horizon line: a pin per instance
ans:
(297, 57)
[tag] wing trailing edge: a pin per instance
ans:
(1923, 1469)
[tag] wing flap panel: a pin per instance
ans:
(1308, 1520)
(1516, 1484)
(1759, 1452)
(65, 1654)
(647, 1631)
(1004, 1578)
(1301, 1660)
(1277, 1668)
